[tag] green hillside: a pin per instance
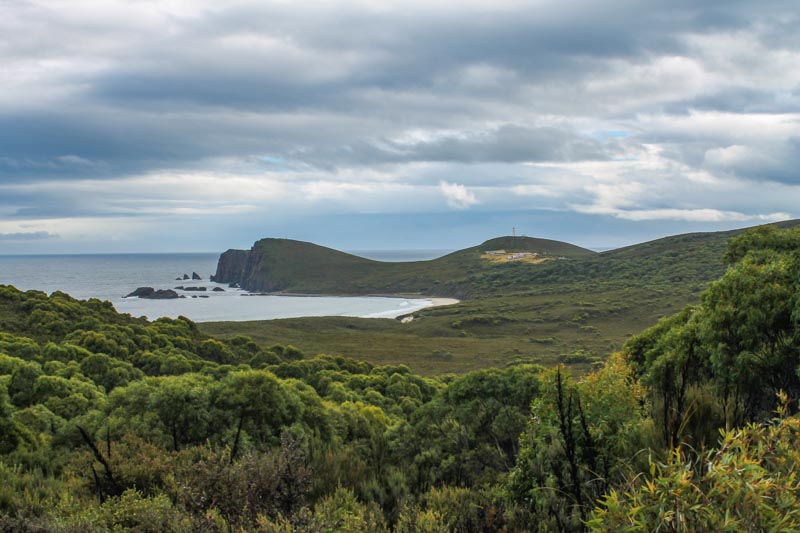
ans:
(283, 265)
(561, 311)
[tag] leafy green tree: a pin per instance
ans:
(470, 431)
(750, 332)
(216, 351)
(11, 434)
(19, 347)
(109, 372)
(20, 386)
(183, 405)
(258, 403)
(723, 360)
(578, 442)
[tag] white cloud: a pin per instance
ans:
(537, 190)
(688, 215)
(457, 196)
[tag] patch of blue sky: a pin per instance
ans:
(276, 163)
(612, 134)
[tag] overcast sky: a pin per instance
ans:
(200, 126)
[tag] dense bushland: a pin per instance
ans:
(108, 422)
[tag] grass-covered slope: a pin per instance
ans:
(283, 265)
(559, 311)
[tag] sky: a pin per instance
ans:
(178, 126)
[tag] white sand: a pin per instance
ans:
(436, 302)
(412, 305)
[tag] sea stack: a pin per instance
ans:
(149, 293)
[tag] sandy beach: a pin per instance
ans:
(437, 302)
(420, 304)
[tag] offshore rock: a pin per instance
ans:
(186, 276)
(195, 275)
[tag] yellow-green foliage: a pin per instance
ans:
(748, 483)
(582, 438)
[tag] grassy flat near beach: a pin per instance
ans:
(494, 331)
(574, 311)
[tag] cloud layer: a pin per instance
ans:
(123, 120)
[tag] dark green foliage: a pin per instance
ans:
(470, 432)
(113, 423)
(137, 411)
(11, 434)
(735, 350)
(581, 439)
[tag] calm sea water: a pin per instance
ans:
(110, 277)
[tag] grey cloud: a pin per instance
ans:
(331, 89)
(28, 236)
(739, 100)
(506, 144)
(779, 163)
(165, 77)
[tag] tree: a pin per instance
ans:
(578, 442)
(259, 403)
(183, 404)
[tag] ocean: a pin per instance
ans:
(112, 276)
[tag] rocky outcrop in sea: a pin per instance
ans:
(149, 293)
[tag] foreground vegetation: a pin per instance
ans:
(108, 422)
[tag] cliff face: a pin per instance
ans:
(285, 265)
(255, 276)
(230, 266)
(248, 269)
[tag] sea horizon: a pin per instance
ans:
(362, 253)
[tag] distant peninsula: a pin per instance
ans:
(290, 266)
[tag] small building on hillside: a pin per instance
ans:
(495, 252)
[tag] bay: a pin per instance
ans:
(112, 276)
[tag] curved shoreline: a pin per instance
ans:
(438, 302)
(435, 301)
(223, 306)
(406, 313)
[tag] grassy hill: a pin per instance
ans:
(283, 265)
(561, 311)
